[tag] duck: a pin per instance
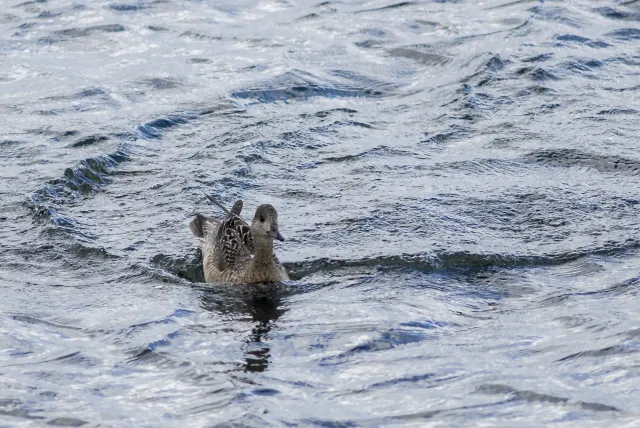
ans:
(234, 251)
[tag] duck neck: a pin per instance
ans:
(264, 251)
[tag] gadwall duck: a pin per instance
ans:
(233, 251)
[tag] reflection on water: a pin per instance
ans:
(265, 311)
(260, 302)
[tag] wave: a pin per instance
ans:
(190, 266)
(293, 86)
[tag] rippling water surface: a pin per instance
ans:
(459, 183)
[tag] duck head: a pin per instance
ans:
(265, 223)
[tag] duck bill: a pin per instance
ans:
(279, 236)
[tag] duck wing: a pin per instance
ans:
(234, 252)
(234, 238)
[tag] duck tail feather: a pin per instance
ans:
(201, 224)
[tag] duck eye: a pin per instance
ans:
(261, 219)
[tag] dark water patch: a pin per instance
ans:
(626, 34)
(90, 92)
(633, 334)
(56, 135)
(573, 39)
(423, 23)
(575, 158)
(6, 18)
(188, 267)
(89, 176)
(46, 112)
(387, 340)
(458, 261)
(87, 252)
(421, 262)
(496, 63)
(376, 32)
(425, 58)
(474, 105)
(548, 108)
(293, 87)
(633, 61)
(161, 84)
(630, 286)
(536, 89)
(412, 380)
(465, 39)
(308, 17)
(35, 320)
(253, 158)
(90, 140)
(616, 289)
(537, 74)
(157, 28)
(76, 359)
(538, 58)
(149, 356)
(512, 3)
(248, 420)
(223, 109)
(488, 72)
(582, 65)
(627, 89)
(380, 151)
(66, 422)
(168, 319)
(73, 33)
(262, 301)
(74, 253)
(325, 113)
(304, 92)
(355, 123)
(618, 111)
(155, 129)
(612, 13)
(31, 3)
(47, 14)
(198, 36)
(389, 7)
(481, 166)
(26, 26)
(130, 7)
(368, 44)
(534, 397)
(17, 409)
(598, 353)
(8, 143)
(325, 423)
(454, 132)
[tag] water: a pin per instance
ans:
(458, 182)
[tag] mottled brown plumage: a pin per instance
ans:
(233, 251)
